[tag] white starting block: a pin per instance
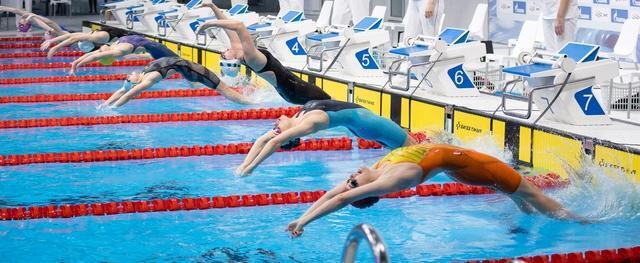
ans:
(353, 47)
(439, 61)
(145, 14)
(174, 14)
(281, 36)
(189, 24)
(561, 84)
(120, 10)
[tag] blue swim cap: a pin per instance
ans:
(86, 46)
(230, 67)
(127, 85)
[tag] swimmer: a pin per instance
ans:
(161, 68)
(25, 20)
(86, 41)
(290, 87)
(318, 115)
(410, 166)
(125, 45)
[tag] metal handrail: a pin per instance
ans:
(378, 247)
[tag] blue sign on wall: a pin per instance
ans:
(585, 12)
(366, 60)
(460, 78)
(634, 3)
(602, 2)
(295, 47)
(619, 15)
(520, 7)
(588, 102)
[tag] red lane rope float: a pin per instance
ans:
(201, 203)
(121, 63)
(19, 45)
(204, 92)
(41, 54)
(328, 144)
(625, 254)
(249, 114)
(71, 79)
(12, 39)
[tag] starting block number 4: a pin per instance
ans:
(366, 60)
(295, 47)
(588, 103)
(460, 77)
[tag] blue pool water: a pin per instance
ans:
(416, 229)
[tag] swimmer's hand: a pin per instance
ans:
(243, 172)
(74, 67)
(207, 3)
(102, 106)
(295, 228)
(46, 45)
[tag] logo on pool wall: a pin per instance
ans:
(588, 102)
(460, 78)
(520, 7)
(601, 2)
(603, 163)
(194, 25)
(619, 15)
(295, 47)
(585, 12)
(366, 60)
(461, 126)
(635, 3)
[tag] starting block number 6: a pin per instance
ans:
(460, 78)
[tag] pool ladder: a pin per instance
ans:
(359, 232)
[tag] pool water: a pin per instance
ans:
(416, 229)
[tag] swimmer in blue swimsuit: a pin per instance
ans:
(318, 115)
(290, 87)
(124, 46)
(162, 68)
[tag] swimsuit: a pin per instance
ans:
(155, 49)
(189, 70)
(290, 87)
(362, 122)
(465, 166)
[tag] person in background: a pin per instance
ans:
(559, 22)
(345, 11)
(422, 18)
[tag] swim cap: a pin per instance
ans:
(107, 61)
(127, 85)
(230, 67)
(86, 46)
(24, 27)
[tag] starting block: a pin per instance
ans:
(188, 26)
(561, 84)
(439, 61)
(281, 36)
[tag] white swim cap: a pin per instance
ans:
(230, 67)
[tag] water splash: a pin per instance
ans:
(599, 193)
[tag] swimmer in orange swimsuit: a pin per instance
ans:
(412, 165)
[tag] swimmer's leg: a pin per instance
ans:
(546, 205)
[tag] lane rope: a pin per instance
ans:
(320, 144)
(232, 201)
(625, 254)
(24, 45)
(222, 115)
(41, 54)
(119, 63)
(157, 94)
(13, 39)
(52, 79)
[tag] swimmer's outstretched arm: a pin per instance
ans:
(70, 39)
(233, 95)
(47, 43)
(305, 128)
(95, 56)
(46, 24)
(252, 57)
(376, 188)
(114, 97)
(233, 37)
(14, 10)
(255, 150)
(135, 90)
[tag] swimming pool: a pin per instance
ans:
(416, 228)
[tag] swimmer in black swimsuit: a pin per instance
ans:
(290, 87)
(165, 67)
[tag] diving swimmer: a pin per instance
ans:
(86, 41)
(410, 166)
(165, 67)
(318, 115)
(25, 20)
(125, 45)
(290, 87)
